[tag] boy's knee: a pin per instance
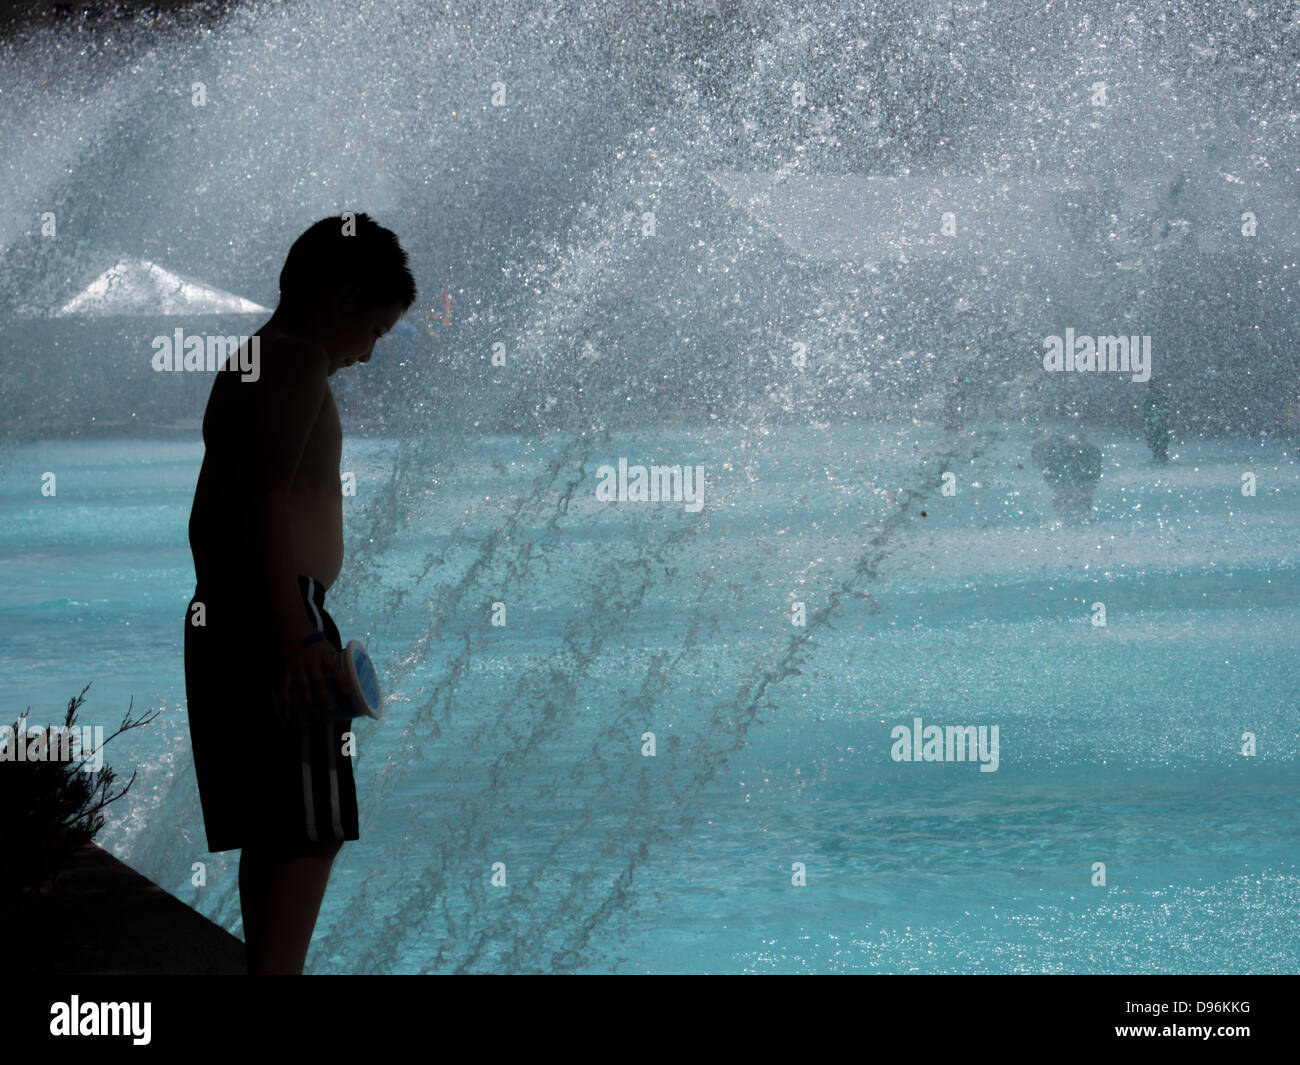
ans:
(325, 848)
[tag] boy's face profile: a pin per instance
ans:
(354, 330)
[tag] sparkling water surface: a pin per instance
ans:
(522, 745)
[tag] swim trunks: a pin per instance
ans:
(260, 779)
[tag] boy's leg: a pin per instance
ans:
(280, 893)
(303, 787)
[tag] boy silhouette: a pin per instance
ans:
(266, 533)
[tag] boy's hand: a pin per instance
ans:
(306, 669)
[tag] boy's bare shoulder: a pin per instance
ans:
(293, 355)
(292, 371)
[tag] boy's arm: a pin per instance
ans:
(293, 387)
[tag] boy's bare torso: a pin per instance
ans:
(224, 527)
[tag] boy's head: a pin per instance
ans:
(352, 272)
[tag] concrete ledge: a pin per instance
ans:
(105, 919)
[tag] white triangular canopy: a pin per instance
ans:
(136, 286)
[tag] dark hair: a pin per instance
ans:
(348, 250)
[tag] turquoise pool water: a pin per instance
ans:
(522, 744)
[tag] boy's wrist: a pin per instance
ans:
(298, 640)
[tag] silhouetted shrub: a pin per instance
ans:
(52, 805)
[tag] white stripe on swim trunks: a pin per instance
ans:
(309, 804)
(336, 816)
(311, 602)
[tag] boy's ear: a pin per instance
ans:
(344, 300)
